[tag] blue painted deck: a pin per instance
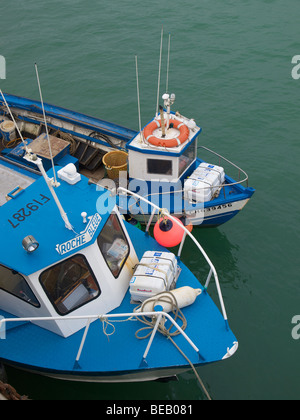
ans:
(34, 212)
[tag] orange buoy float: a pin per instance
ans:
(184, 133)
(167, 233)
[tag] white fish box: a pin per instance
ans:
(156, 273)
(204, 182)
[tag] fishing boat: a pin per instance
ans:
(85, 295)
(160, 161)
(164, 167)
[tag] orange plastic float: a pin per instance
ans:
(167, 233)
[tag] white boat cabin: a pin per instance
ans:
(47, 270)
(158, 154)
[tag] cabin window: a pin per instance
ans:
(70, 284)
(113, 245)
(159, 166)
(12, 282)
(188, 156)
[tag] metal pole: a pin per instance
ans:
(150, 220)
(152, 336)
(83, 339)
(208, 279)
(138, 94)
(56, 184)
(181, 245)
(159, 68)
(179, 223)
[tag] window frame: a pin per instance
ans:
(82, 304)
(169, 161)
(185, 153)
(37, 305)
(127, 241)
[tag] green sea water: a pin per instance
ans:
(230, 68)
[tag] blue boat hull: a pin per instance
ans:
(230, 201)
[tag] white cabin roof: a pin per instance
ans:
(138, 143)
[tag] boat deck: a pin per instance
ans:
(12, 180)
(121, 353)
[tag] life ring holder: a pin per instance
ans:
(184, 133)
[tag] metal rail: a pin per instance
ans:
(217, 188)
(187, 232)
(231, 163)
(158, 315)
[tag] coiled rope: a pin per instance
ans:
(159, 299)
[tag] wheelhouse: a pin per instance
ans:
(157, 163)
(82, 271)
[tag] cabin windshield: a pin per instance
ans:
(188, 156)
(113, 245)
(70, 284)
(12, 282)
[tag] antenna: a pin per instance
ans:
(17, 128)
(167, 82)
(138, 94)
(55, 184)
(159, 68)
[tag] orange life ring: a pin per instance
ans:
(184, 133)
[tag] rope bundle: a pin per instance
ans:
(159, 299)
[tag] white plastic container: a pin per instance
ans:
(69, 174)
(156, 273)
(204, 182)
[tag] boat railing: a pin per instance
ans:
(245, 178)
(216, 189)
(104, 318)
(186, 232)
